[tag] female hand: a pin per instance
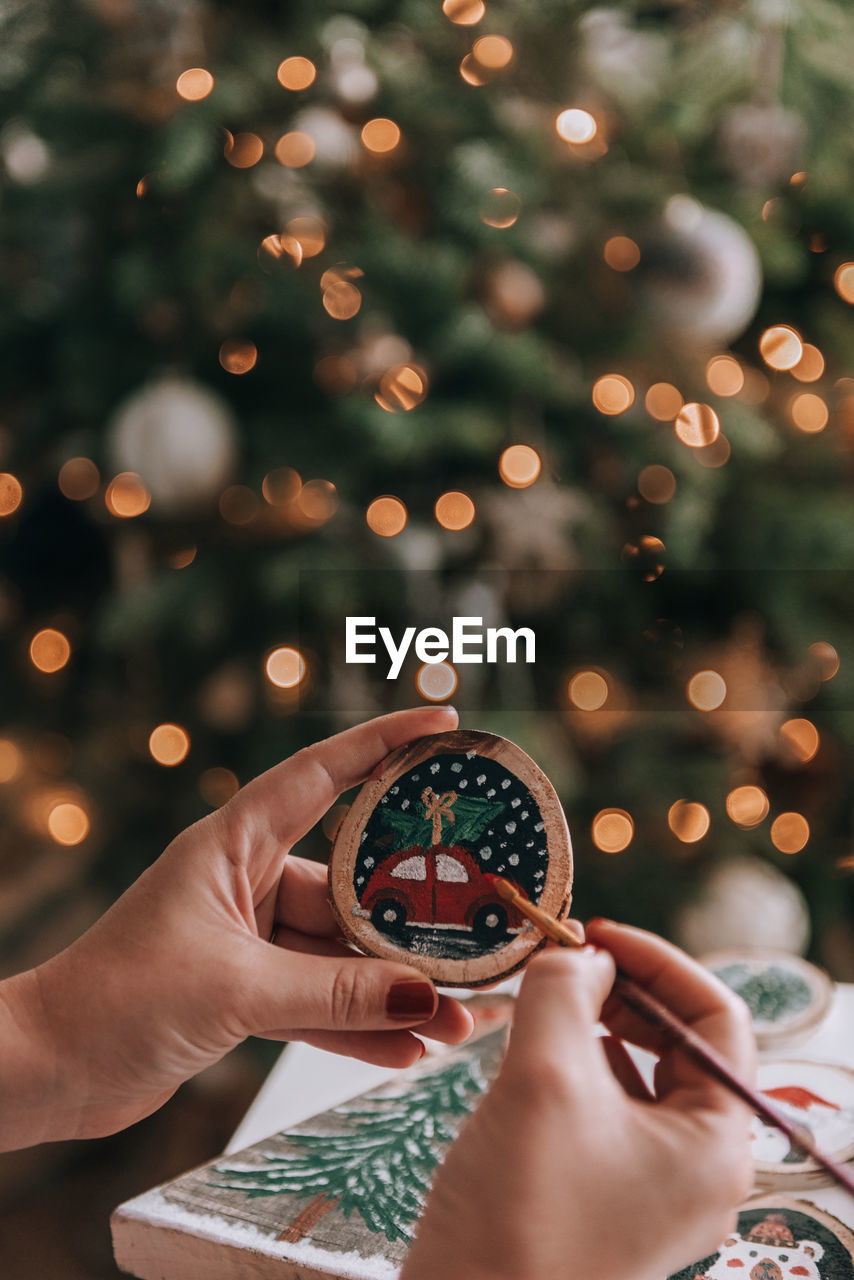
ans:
(570, 1167)
(181, 968)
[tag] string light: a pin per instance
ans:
(697, 425)
(612, 830)
(217, 786)
(809, 413)
(181, 559)
(810, 367)
(501, 208)
(11, 493)
(613, 394)
(747, 806)
(781, 347)
(169, 744)
(127, 496)
(78, 479)
(471, 73)
(317, 502)
(296, 73)
(790, 832)
(724, 375)
(238, 505)
(656, 484)
(519, 466)
(492, 52)
(243, 150)
(663, 401)
(716, 454)
(843, 281)
(465, 13)
(436, 681)
(285, 667)
(295, 149)
(688, 820)
(49, 650)
(827, 658)
(10, 760)
(342, 300)
(401, 389)
(801, 739)
(310, 234)
(277, 252)
(280, 486)
(576, 125)
(588, 690)
(68, 823)
(194, 84)
(386, 516)
(454, 510)
(380, 135)
(621, 253)
(706, 690)
(238, 355)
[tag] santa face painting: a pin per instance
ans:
(816, 1097)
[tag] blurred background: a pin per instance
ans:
(541, 314)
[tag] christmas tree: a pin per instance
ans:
(379, 1159)
(420, 310)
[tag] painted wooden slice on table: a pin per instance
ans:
(787, 997)
(819, 1098)
(409, 873)
(779, 1238)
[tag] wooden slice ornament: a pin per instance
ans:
(410, 865)
(819, 1098)
(788, 997)
(779, 1237)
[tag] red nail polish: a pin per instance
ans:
(410, 1001)
(423, 1050)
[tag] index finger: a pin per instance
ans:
(694, 994)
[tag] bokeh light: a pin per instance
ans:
(238, 355)
(49, 650)
(576, 125)
(621, 253)
(68, 823)
(317, 502)
(465, 13)
(500, 208)
(386, 516)
(78, 479)
(781, 347)
(454, 510)
(688, 820)
(169, 744)
(194, 84)
(492, 52)
(10, 760)
(471, 72)
(401, 388)
(645, 554)
(336, 375)
(436, 681)
(238, 504)
(809, 412)
(217, 786)
(296, 73)
(285, 667)
(182, 558)
(310, 234)
(716, 454)
(243, 150)
(790, 832)
(843, 281)
(295, 149)
(280, 486)
(656, 484)
(127, 496)
(380, 135)
(279, 253)
(697, 425)
(588, 690)
(810, 367)
(612, 830)
(11, 493)
(342, 300)
(801, 739)
(747, 805)
(706, 690)
(724, 375)
(519, 466)
(826, 657)
(663, 401)
(613, 393)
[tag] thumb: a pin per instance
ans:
(288, 990)
(557, 1011)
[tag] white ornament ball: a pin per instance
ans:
(744, 902)
(699, 276)
(179, 437)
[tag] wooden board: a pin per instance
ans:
(787, 996)
(338, 1195)
(817, 1096)
(408, 873)
(778, 1238)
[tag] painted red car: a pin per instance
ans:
(441, 888)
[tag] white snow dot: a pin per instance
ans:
(360, 879)
(510, 827)
(383, 799)
(502, 844)
(490, 793)
(485, 852)
(470, 755)
(404, 804)
(502, 867)
(393, 790)
(539, 826)
(538, 875)
(513, 859)
(369, 862)
(463, 782)
(541, 853)
(434, 768)
(415, 777)
(529, 844)
(456, 767)
(505, 784)
(363, 837)
(515, 802)
(525, 814)
(481, 778)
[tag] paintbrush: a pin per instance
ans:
(693, 1046)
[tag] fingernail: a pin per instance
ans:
(423, 1050)
(410, 1001)
(594, 920)
(378, 771)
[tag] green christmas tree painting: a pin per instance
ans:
(379, 1160)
